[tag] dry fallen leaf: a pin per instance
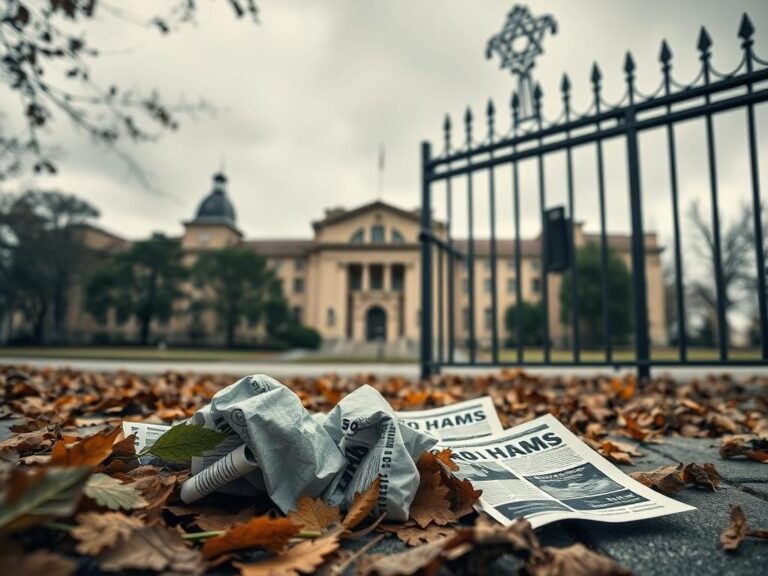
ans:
(362, 505)
(304, 558)
(752, 446)
(90, 451)
(672, 479)
(412, 535)
(39, 563)
(96, 531)
(445, 456)
(574, 560)
(431, 504)
(314, 514)
(260, 532)
(214, 521)
(731, 537)
(423, 559)
(151, 548)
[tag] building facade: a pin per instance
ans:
(357, 278)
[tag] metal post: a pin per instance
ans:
(642, 342)
(426, 264)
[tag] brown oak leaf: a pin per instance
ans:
(96, 531)
(151, 548)
(446, 457)
(304, 558)
(412, 535)
(224, 521)
(672, 479)
(463, 496)
(314, 514)
(260, 532)
(90, 451)
(431, 503)
(752, 446)
(362, 504)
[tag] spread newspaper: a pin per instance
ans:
(543, 472)
(538, 470)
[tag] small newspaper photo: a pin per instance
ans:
(541, 471)
(460, 421)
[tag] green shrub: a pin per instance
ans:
(301, 337)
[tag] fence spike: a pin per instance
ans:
(746, 29)
(565, 85)
(705, 43)
(515, 102)
(665, 56)
(468, 123)
(597, 76)
(447, 131)
(629, 64)
(490, 111)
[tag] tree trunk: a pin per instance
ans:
(144, 323)
(39, 324)
(231, 324)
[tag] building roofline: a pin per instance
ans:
(337, 217)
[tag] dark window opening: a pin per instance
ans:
(377, 277)
(398, 277)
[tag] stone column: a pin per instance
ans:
(365, 282)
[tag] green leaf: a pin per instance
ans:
(32, 496)
(183, 442)
(113, 494)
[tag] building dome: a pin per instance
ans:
(216, 207)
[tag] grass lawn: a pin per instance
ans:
(625, 355)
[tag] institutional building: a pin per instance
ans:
(357, 277)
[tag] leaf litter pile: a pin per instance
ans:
(76, 497)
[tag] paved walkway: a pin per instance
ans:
(307, 369)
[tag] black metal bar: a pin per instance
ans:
(722, 321)
(492, 254)
(440, 320)
(470, 243)
(518, 255)
(451, 275)
(607, 333)
(682, 331)
(762, 291)
(542, 259)
(640, 125)
(619, 113)
(426, 266)
(576, 317)
(617, 364)
(642, 343)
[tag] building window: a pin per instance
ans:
(398, 277)
(358, 237)
(299, 263)
(465, 319)
(204, 238)
(511, 264)
(487, 285)
(465, 285)
(511, 286)
(355, 277)
(331, 317)
(487, 265)
(377, 234)
(275, 264)
(377, 277)
(488, 318)
(397, 236)
(297, 313)
(535, 265)
(536, 285)
(298, 285)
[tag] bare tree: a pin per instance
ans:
(46, 62)
(737, 262)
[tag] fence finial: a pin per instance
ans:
(537, 94)
(468, 124)
(515, 102)
(665, 56)
(490, 111)
(596, 77)
(704, 44)
(629, 65)
(447, 132)
(746, 30)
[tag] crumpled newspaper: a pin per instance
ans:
(276, 446)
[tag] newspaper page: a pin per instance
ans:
(460, 421)
(543, 472)
(146, 434)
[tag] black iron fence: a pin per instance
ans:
(532, 138)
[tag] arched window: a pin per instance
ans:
(397, 236)
(331, 317)
(358, 237)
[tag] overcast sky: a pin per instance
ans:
(306, 96)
